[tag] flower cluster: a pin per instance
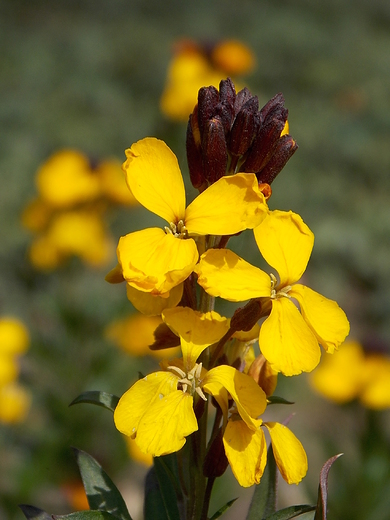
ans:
(14, 399)
(234, 152)
(67, 215)
(195, 65)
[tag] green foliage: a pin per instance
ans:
(101, 492)
(103, 399)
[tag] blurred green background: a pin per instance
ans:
(89, 75)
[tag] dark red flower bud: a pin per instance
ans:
(263, 145)
(285, 148)
(208, 98)
(164, 338)
(215, 462)
(214, 150)
(241, 98)
(244, 127)
(194, 153)
(274, 109)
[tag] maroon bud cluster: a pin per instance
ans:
(227, 133)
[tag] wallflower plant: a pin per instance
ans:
(210, 408)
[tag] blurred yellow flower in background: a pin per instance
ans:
(14, 399)
(68, 216)
(354, 374)
(135, 333)
(194, 66)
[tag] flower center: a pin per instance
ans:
(177, 230)
(278, 292)
(190, 382)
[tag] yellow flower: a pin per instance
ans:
(66, 179)
(14, 337)
(156, 260)
(78, 232)
(158, 410)
(134, 334)
(194, 67)
(15, 403)
(14, 340)
(288, 338)
(352, 374)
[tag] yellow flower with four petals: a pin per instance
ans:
(288, 338)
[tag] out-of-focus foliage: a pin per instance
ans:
(89, 75)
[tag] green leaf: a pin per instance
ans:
(34, 513)
(86, 515)
(223, 509)
(103, 399)
(291, 512)
(264, 497)
(162, 493)
(322, 502)
(274, 399)
(101, 492)
(154, 508)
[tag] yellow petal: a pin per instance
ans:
(139, 397)
(286, 243)
(154, 304)
(246, 452)
(286, 340)
(166, 423)
(289, 454)
(248, 396)
(196, 330)
(153, 261)
(228, 206)
(223, 273)
(153, 176)
(325, 318)
(340, 377)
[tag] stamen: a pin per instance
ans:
(178, 230)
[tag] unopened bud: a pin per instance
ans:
(246, 317)
(194, 153)
(214, 149)
(262, 147)
(244, 127)
(285, 148)
(208, 98)
(215, 462)
(261, 371)
(164, 338)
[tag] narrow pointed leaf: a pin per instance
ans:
(223, 509)
(274, 399)
(34, 513)
(154, 508)
(264, 497)
(103, 399)
(101, 492)
(86, 515)
(322, 502)
(166, 473)
(293, 512)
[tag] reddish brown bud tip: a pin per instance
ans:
(261, 371)
(194, 154)
(215, 462)
(245, 317)
(285, 148)
(244, 127)
(208, 98)
(214, 150)
(164, 338)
